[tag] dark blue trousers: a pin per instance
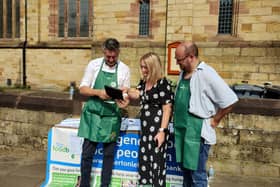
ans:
(197, 178)
(88, 151)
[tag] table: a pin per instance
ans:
(64, 150)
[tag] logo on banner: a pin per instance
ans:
(59, 147)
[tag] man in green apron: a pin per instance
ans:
(202, 99)
(101, 119)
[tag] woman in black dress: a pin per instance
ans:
(156, 97)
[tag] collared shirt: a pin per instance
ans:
(209, 92)
(94, 66)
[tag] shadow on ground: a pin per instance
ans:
(19, 169)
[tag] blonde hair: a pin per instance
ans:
(153, 63)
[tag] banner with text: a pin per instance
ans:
(64, 155)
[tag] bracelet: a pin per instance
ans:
(163, 130)
(125, 95)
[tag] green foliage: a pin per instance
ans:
(19, 86)
(15, 87)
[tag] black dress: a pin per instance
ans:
(152, 165)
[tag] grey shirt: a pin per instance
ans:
(209, 92)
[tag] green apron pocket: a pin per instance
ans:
(109, 128)
(93, 105)
(101, 108)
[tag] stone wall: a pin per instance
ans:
(250, 53)
(248, 139)
(122, 20)
(253, 20)
(254, 62)
(54, 69)
(10, 65)
(247, 145)
(26, 130)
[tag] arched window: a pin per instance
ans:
(225, 17)
(144, 17)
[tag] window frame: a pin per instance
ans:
(149, 19)
(234, 19)
(15, 20)
(78, 25)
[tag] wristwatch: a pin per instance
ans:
(163, 130)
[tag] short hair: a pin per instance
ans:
(111, 44)
(191, 49)
(154, 66)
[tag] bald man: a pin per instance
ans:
(202, 99)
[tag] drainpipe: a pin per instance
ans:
(165, 37)
(24, 49)
(24, 64)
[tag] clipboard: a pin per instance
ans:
(114, 93)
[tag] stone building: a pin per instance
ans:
(46, 44)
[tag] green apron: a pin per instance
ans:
(187, 128)
(101, 120)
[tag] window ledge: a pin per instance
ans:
(5, 43)
(225, 37)
(71, 44)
